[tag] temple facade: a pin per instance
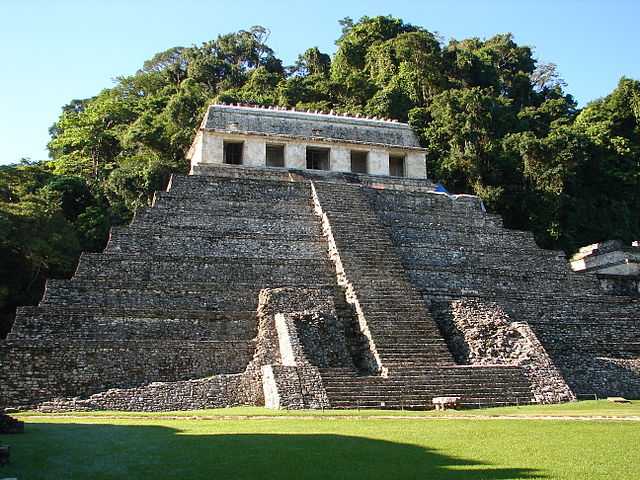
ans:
(280, 138)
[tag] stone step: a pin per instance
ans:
(168, 205)
(241, 172)
(438, 219)
(417, 254)
(203, 269)
(223, 213)
(414, 392)
(94, 324)
(363, 244)
(423, 203)
(312, 234)
(452, 374)
(200, 296)
(493, 282)
(228, 226)
(490, 265)
(243, 190)
(195, 245)
(273, 178)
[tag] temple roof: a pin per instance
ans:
(275, 121)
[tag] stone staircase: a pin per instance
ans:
(413, 388)
(416, 362)
(451, 249)
(173, 297)
(402, 330)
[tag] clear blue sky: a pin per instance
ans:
(55, 51)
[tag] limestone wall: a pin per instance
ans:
(35, 371)
(172, 298)
(51, 323)
(480, 333)
(306, 125)
(211, 392)
(210, 152)
(454, 251)
(179, 311)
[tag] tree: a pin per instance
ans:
(44, 224)
(312, 62)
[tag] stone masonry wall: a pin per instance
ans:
(172, 298)
(82, 368)
(294, 386)
(213, 392)
(455, 251)
(287, 378)
(481, 333)
(37, 323)
(322, 336)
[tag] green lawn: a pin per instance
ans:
(576, 409)
(326, 447)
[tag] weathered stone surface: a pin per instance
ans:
(290, 382)
(253, 120)
(483, 334)
(608, 258)
(456, 251)
(35, 371)
(180, 310)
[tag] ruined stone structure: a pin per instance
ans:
(608, 258)
(259, 137)
(303, 288)
(616, 265)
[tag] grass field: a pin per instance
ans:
(330, 445)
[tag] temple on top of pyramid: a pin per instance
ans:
(308, 262)
(281, 138)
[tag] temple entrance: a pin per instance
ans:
(396, 166)
(317, 158)
(275, 155)
(359, 162)
(233, 153)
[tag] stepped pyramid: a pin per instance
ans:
(249, 284)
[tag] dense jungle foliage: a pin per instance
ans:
(496, 121)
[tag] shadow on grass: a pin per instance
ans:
(83, 451)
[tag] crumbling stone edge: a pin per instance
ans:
(482, 333)
(268, 380)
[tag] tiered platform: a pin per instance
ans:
(453, 250)
(174, 297)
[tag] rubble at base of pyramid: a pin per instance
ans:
(296, 286)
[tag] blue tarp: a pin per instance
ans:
(440, 188)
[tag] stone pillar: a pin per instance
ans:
(285, 341)
(196, 150)
(254, 152)
(212, 148)
(416, 165)
(379, 162)
(340, 159)
(295, 155)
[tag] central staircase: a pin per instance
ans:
(415, 360)
(413, 388)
